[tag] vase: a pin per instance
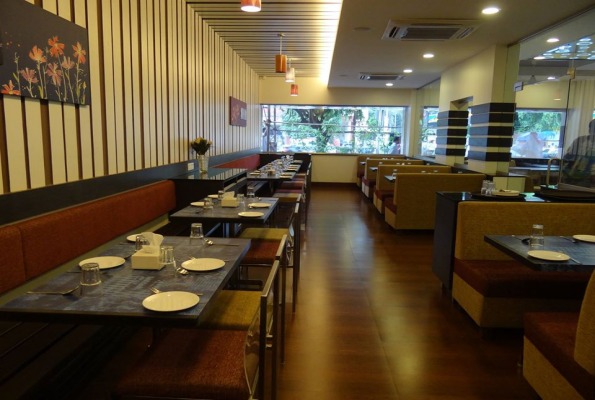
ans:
(203, 162)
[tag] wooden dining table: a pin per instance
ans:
(124, 289)
(518, 247)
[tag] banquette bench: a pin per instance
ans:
(413, 205)
(496, 291)
(369, 179)
(38, 358)
(361, 168)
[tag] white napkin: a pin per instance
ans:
(229, 194)
(154, 240)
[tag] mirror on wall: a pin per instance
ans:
(426, 101)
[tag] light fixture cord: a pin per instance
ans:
(281, 44)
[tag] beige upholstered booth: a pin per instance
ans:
(369, 179)
(362, 168)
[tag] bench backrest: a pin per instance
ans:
(12, 264)
(250, 163)
(384, 184)
(415, 195)
(364, 157)
(369, 174)
(477, 219)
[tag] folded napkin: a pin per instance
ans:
(154, 240)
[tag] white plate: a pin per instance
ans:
(104, 262)
(213, 196)
(255, 173)
(198, 204)
(260, 205)
(170, 301)
(203, 264)
(548, 255)
(506, 193)
(585, 238)
(132, 238)
(252, 214)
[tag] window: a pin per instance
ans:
(429, 121)
(537, 133)
(331, 129)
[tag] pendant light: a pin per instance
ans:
(294, 90)
(281, 59)
(250, 5)
(290, 74)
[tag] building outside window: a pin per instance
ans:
(538, 133)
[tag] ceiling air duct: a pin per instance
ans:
(429, 29)
(380, 77)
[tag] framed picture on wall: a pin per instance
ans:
(238, 112)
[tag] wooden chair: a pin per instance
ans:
(209, 364)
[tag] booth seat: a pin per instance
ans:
(559, 351)
(250, 163)
(496, 291)
(413, 205)
(369, 178)
(361, 169)
(385, 188)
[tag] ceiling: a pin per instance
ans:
(310, 27)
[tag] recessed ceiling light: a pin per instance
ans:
(553, 40)
(539, 58)
(407, 71)
(490, 10)
(428, 55)
(343, 75)
(551, 78)
(361, 29)
(389, 84)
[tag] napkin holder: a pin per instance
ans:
(143, 259)
(229, 202)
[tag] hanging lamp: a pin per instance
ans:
(290, 74)
(250, 5)
(281, 59)
(294, 90)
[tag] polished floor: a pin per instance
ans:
(372, 320)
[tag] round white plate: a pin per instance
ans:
(132, 238)
(548, 255)
(252, 214)
(585, 238)
(106, 262)
(506, 193)
(170, 301)
(203, 264)
(213, 196)
(260, 205)
(198, 204)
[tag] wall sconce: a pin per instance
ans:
(281, 59)
(250, 5)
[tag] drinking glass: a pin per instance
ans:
(537, 240)
(197, 236)
(140, 242)
(241, 201)
(91, 280)
(250, 195)
(167, 260)
(491, 188)
(220, 194)
(484, 186)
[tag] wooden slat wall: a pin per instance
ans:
(160, 77)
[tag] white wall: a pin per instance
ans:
(334, 168)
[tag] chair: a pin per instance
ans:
(559, 351)
(209, 364)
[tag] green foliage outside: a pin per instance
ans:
(525, 121)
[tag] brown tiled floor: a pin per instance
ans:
(372, 320)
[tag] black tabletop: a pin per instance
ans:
(124, 289)
(263, 176)
(213, 174)
(226, 214)
(517, 248)
(390, 178)
(467, 196)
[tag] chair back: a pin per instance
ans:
(256, 338)
(383, 170)
(376, 162)
(584, 348)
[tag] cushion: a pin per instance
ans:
(360, 174)
(192, 364)
(250, 163)
(261, 252)
(389, 203)
(233, 310)
(511, 279)
(264, 233)
(553, 334)
(292, 185)
(297, 191)
(368, 182)
(12, 264)
(383, 194)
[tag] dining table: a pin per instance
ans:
(123, 289)
(227, 216)
(581, 253)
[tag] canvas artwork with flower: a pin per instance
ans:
(44, 56)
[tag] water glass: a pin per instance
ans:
(196, 234)
(220, 194)
(166, 258)
(208, 204)
(241, 201)
(250, 195)
(537, 240)
(91, 280)
(484, 186)
(491, 188)
(140, 242)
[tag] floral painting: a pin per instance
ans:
(237, 112)
(42, 56)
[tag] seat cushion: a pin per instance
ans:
(388, 203)
(511, 279)
(292, 185)
(12, 264)
(360, 174)
(368, 182)
(233, 310)
(261, 252)
(298, 191)
(553, 334)
(264, 233)
(190, 364)
(383, 194)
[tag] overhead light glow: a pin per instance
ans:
(407, 71)
(490, 10)
(428, 55)
(553, 40)
(389, 84)
(539, 58)
(551, 78)
(250, 5)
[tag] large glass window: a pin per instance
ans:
(429, 121)
(537, 133)
(317, 129)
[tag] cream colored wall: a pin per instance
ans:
(480, 77)
(159, 78)
(313, 91)
(542, 96)
(334, 168)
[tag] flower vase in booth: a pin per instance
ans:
(201, 146)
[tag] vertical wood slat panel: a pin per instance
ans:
(144, 63)
(174, 139)
(199, 79)
(184, 26)
(137, 111)
(158, 77)
(56, 124)
(164, 82)
(170, 87)
(151, 133)
(95, 88)
(117, 92)
(84, 111)
(15, 143)
(127, 86)
(180, 64)
(108, 72)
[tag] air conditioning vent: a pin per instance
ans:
(380, 77)
(429, 30)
